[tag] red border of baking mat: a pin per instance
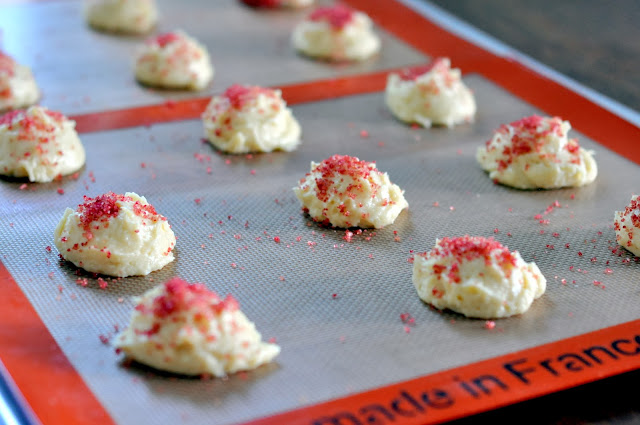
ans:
(57, 393)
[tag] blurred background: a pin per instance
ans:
(592, 41)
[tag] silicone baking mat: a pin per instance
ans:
(348, 358)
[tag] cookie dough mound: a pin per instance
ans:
(431, 95)
(39, 144)
(346, 192)
(18, 88)
(186, 329)
(336, 33)
(627, 226)
(115, 235)
(477, 277)
(175, 61)
(535, 152)
(250, 119)
(278, 3)
(125, 16)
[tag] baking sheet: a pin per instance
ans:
(80, 70)
(331, 347)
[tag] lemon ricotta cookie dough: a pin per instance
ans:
(627, 226)
(536, 153)
(344, 191)
(336, 33)
(39, 144)
(174, 60)
(477, 277)
(431, 95)
(18, 88)
(125, 16)
(250, 119)
(187, 329)
(115, 235)
(278, 3)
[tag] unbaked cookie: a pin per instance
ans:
(187, 329)
(18, 88)
(346, 192)
(477, 277)
(627, 226)
(535, 152)
(431, 95)
(39, 144)
(336, 33)
(115, 235)
(126, 16)
(175, 61)
(250, 119)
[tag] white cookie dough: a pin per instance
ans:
(346, 192)
(627, 226)
(336, 33)
(477, 277)
(18, 88)
(115, 235)
(39, 144)
(187, 329)
(278, 3)
(126, 16)
(250, 119)
(432, 95)
(535, 152)
(174, 60)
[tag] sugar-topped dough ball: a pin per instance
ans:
(18, 88)
(115, 235)
(535, 152)
(336, 33)
(125, 16)
(187, 329)
(627, 226)
(431, 95)
(477, 277)
(344, 191)
(250, 119)
(278, 3)
(174, 60)
(39, 144)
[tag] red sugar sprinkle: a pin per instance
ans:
(103, 207)
(410, 74)
(364, 133)
(238, 95)
(163, 39)
(489, 324)
(337, 16)
(48, 248)
(276, 239)
(60, 191)
(181, 296)
(23, 186)
(341, 165)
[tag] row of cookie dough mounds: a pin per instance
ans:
(187, 329)
(18, 88)
(39, 144)
(272, 4)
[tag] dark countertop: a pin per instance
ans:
(595, 43)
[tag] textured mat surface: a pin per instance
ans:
(331, 347)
